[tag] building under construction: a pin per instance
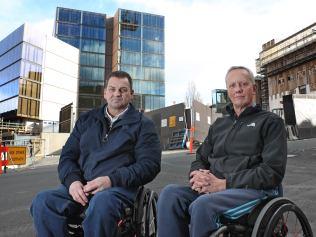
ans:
(288, 68)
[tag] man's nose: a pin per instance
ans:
(238, 87)
(117, 93)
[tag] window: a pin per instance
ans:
(130, 44)
(153, 47)
(134, 71)
(153, 60)
(91, 45)
(94, 33)
(90, 73)
(93, 19)
(130, 58)
(132, 31)
(302, 89)
(130, 17)
(154, 74)
(68, 29)
(92, 59)
(68, 15)
(154, 21)
(153, 34)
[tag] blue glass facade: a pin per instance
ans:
(130, 41)
(20, 76)
(140, 52)
(87, 32)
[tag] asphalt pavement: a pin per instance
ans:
(17, 188)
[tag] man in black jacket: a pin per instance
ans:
(241, 162)
(111, 151)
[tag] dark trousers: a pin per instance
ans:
(183, 212)
(51, 209)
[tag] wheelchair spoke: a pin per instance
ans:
(289, 221)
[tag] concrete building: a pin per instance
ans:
(38, 76)
(130, 41)
(288, 67)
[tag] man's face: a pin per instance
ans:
(240, 88)
(118, 93)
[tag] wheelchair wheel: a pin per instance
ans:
(265, 215)
(273, 220)
(140, 211)
(151, 215)
(288, 220)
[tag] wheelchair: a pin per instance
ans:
(138, 221)
(277, 217)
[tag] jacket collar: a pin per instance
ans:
(130, 116)
(247, 111)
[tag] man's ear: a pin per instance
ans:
(132, 92)
(254, 89)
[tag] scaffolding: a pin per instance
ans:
(9, 127)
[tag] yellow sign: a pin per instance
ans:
(17, 155)
(172, 121)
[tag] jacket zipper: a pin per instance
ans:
(232, 128)
(105, 138)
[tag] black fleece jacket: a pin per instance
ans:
(249, 151)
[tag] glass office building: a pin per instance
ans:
(35, 70)
(87, 32)
(130, 41)
(138, 48)
(20, 76)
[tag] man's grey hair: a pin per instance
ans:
(251, 76)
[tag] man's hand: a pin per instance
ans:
(199, 179)
(77, 193)
(203, 181)
(97, 185)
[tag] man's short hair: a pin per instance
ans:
(251, 76)
(119, 74)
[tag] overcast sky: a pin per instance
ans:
(203, 38)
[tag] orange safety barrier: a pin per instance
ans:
(191, 139)
(3, 150)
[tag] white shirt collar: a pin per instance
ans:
(113, 119)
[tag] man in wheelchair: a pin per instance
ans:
(241, 162)
(111, 152)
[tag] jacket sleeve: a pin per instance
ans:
(68, 167)
(270, 172)
(147, 155)
(201, 161)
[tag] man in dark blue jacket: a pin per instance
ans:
(241, 162)
(110, 153)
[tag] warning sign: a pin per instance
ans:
(17, 155)
(172, 121)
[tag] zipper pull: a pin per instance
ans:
(105, 138)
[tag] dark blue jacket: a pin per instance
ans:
(129, 152)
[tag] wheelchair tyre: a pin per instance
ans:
(140, 212)
(288, 220)
(151, 215)
(265, 215)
